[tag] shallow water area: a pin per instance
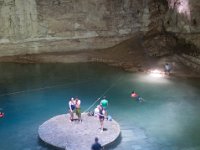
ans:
(30, 94)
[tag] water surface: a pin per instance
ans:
(32, 93)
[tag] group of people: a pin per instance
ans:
(100, 110)
(75, 107)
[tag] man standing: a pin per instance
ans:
(104, 105)
(168, 68)
(78, 108)
(96, 145)
(101, 117)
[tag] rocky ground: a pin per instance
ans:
(62, 134)
(130, 55)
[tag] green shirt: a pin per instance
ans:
(104, 103)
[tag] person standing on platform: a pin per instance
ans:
(72, 108)
(167, 68)
(104, 104)
(78, 108)
(101, 117)
(96, 145)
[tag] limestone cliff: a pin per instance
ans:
(183, 19)
(34, 26)
(18, 20)
(173, 25)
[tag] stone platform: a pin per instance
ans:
(61, 133)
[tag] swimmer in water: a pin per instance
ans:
(138, 98)
(1, 114)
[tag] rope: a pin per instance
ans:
(114, 84)
(91, 106)
(43, 88)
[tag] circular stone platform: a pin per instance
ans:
(60, 132)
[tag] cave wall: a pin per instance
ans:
(183, 19)
(35, 26)
(179, 17)
(173, 26)
(18, 20)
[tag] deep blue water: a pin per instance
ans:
(32, 93)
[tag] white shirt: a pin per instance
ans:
(70, 104)
(96, 112)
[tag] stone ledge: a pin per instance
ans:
(61, 133)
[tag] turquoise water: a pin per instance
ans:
(31, 94)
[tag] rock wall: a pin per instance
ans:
(192, 62)
(35, 26)
(172, 23)
(18, 20)
(183, 19)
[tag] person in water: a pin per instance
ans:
(1, 114)
(71, 108)
(135, 95)
(96, 145)
(78, 108)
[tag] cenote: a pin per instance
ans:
(32, 93)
